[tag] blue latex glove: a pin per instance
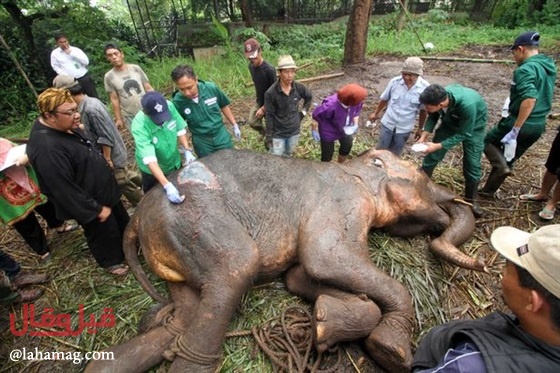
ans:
(236, 132)
(511, 135)
(315, 135)
(189, 157)
(173, 194)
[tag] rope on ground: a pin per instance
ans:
(288, 342)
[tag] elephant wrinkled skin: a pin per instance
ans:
(250, 217)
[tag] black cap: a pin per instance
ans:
(527, 38)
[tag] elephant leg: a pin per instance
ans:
(146, 350)
(389, 342)
(337, 316)
(225, 280)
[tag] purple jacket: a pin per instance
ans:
(332, 116)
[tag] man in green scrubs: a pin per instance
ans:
(463, 113)
(202, 104)
(530, 97)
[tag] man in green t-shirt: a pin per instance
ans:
(156, 130)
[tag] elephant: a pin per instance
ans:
(248, 218)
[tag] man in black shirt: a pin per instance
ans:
(73, 174)
(284, 110)
(263, 75)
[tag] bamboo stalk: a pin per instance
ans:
(320, 77)
(307, 64)
(464, 59)
(13, 57)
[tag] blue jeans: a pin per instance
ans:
(392, 141)
(284, 146)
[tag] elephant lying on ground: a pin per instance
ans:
(250, 217)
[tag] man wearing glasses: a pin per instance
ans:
(530, 97)
(73, 174)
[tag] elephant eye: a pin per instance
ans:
(377, 162)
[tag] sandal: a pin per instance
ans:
(531, 198)
(546, 214)
(117, 269)
(67, 227)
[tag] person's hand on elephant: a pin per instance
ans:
(237, 132)
(189, 157)
(315, 135)
(173, 194)
(418, 135)
(511, 135)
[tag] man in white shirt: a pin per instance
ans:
(72, 61)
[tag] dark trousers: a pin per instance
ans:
(8, 265)
(88, 86)
(32, 232)
(148, 182)
(327, 148)
(105, 239)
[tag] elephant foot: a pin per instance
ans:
(186, 359)
(389, 343)
(342, 319)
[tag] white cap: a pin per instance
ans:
(538, 253)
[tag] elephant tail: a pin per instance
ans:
(130, 248)
(459, 231)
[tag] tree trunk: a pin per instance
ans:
(356, 32)
(246, 13)
(25, 27)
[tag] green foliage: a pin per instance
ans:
(550, 13)
(87, 27)
(240, 35)
(324, 40)
(518, 13)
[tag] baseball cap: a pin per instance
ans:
(251, 48)
(538, 253)
(413, 65)
(527, 38)
(64, 81)
(155, 106)
(351, 94)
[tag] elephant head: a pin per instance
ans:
(409, 203)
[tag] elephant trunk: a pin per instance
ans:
(130, 249)
(460, 229)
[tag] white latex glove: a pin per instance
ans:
(189, 157)
(236, 132)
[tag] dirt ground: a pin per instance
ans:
(492, 81)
